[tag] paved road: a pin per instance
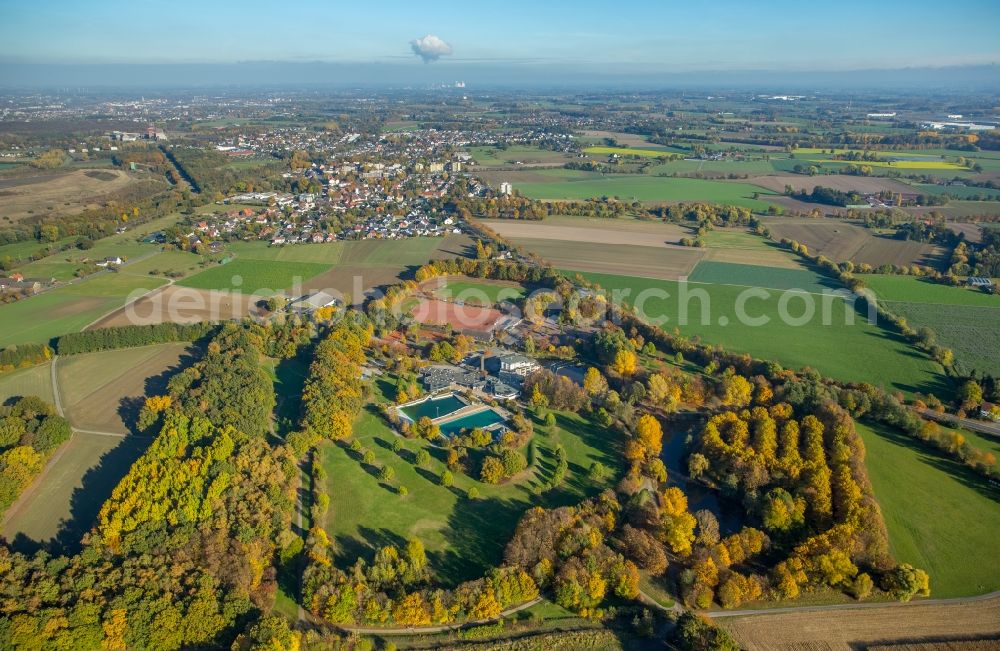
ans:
(958, 601)
(981, 426)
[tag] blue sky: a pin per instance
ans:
(663, 35)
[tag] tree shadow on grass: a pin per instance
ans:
(929, 455)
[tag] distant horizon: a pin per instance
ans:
(482, 76)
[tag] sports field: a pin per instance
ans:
(473, 291)
(941, 516)
(858, 352)
(463, 537)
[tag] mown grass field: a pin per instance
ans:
(858, 352)
(940, 516)
(479, 291)
(64, 503)
(747, 275)
(463, 537)
(254, 276)
(102, 391)
(32, 381)
(740, 247)
(910, 289)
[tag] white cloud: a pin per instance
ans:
(430, 48)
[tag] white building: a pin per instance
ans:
(506, 188)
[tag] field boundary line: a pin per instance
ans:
(956, 601)
(169, 283)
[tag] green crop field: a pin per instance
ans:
(626, 151)
(70, 308)
(254, 276)
(328, 253)
(645, 188)
(970, 331)
(940, 516)
(727, 273)
(463, 537)
(859, 352)
(740, 247)
(714, 166)
(182, 262)
(909, 289)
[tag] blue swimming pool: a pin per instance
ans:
(484, 418)
(433, 408)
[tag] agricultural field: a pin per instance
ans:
(911, 289)
(862, 184)
(746, 275)
(32, 381)
(940, 516)
(252, 277)
(103, 391)
(591, 230)
(177, 304)
(626, 151)
(910, 627)
(59, 191)
(517, 155)
(859, 352)
(839, 240)
(668, 263)
(62, 504)
(969, 330)
(70, 308)
(741, 247)
(463, 537)
(650, 189)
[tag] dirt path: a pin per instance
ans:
(420, 630)
(956, 601)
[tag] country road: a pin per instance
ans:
(981, 426)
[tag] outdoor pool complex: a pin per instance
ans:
(433, 408)
(484, 418)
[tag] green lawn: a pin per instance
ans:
(463, 537)
(859, 352)
(644, 188)
(480, 292)
(254, 276)
(910, 289)
(747, 275)
(940, 516)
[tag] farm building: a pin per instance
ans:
(311, 302)
(979, 281)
